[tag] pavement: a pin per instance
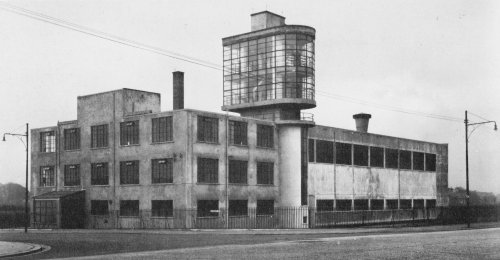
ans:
(10, 249)
(27, 243)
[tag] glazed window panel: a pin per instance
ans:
(47, 142)
(208, 170)
(376, 157)
(391, 158)
(360, 155)
(129, 172)
(324, 151)
(208, 129)
(343, 153)
(99, 136)
(265, 207)
(71, 139)
(405, 160)
(265, 136)
(324, 205)
(265, 173)
(430, 162)
(238, 172)
(129, 132)
(71, 175)
(99, 174)
(99, 207)
(207, 208)
(162, 170)
(129, 208)
(162, 208)
(47, 176)
(238, 208)
(238, 133)
(162, 129)
(310, 149)
(418, 161)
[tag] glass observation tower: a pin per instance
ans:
(269, 72)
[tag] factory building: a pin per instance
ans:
(123, 163)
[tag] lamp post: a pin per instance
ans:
(467, 124)
(26, 220)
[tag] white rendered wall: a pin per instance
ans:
(289, 143)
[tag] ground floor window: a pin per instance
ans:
(238, 208)
(431, 204)
(418, 204)
(392, 204)
(265, 207)
(45, 211)
(344, 205)
(208, 208)
(99, 207)
(162, 208)
(324, 205)
(405, 204)
(129, 208)
(360, 204)
(377, 204)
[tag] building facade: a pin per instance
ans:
(126, 161)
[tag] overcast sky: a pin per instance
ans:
(436, 57)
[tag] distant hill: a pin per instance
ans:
(11, 194)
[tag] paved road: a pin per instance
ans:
(462, 244)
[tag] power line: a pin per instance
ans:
(167, 53)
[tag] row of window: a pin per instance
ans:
(165, 208)
(323, 151)
(161, 172)
(374, 204)
(208, 132)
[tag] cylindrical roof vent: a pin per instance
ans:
(362, 120)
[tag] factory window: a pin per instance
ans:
(99, 207)
(310, 149)
(47, 177)
(324, 205)
(265, 207)
(238, 171)
(392, 204)
(45, 211)
(129, 132)
(162, 129)
(343, 153)
(265, 136)
(129, 172)
(238, 208)
(405, 160)
(324, 151)
(99, 174)
(162, 208)
(238, 133)
(72, 139)
(376, 156)
(265, 173)
(344, 205)
(377, 204)
(71, 175)
(405, 204)
(162, 170)
(431, 204)
(129, 208)
(360, 155)
(391, 158)
(47, 142)
(430, 162)
(99, 136)
(418, 161)
(208, 208)
(418, 204)
(360, 204)
(208, 129)
(208, 170)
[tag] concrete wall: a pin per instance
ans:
(290, 166)
(332, 181)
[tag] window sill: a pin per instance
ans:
(99, 148)
(47, 152)
(129, 145)
(203, 142)
(208, 217)
(162, 184)
(238, 184)
(129, 217)
(130, 185)
(165, 142)
(99, 185)
(207, 183)
(160, 217)
(73, 150)
(72, 186)
(268, 148)
(240, 145)
(266, 185)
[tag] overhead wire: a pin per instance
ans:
(106, 36)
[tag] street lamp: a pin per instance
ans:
(467, 124)
(26, 220)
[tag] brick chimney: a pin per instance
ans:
(178, 90)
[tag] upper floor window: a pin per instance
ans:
(72, 139)
(265, 173)
(391, 158)
(71, 175)
(129, 132)
(162, 170)
(418, 161)
(99, 136)
(430, 162)
(265, 136)
(129, 172)
(343, 153)
(208, 129)
(47, 142)
(360, 155)
(208, 170)
(405, 160)
(99, 174)
(324, 151)
(162, 129)
(376, 156)
(310, 149)
(238, 133)
(238, 171)
(47, 176)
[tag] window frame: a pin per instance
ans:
(265, 136)
(48, 145)
(380, 151)
(163, 209)
(129, 173)
(264, 210)
(211, 176)
(159, 177)
(162, 129)
(71, 139)
(50, 175)
(207, 129)
(265, 173)
(72, 175)
(325, 151)
(97, 177)
(341, 153)
(99, 136)
(238, 133)
(207, 212)
(134, 212)
(362, 150)
(129, 133)
(236, 208)
(238, 172)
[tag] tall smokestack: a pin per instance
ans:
(178, 90)
(362, 120)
